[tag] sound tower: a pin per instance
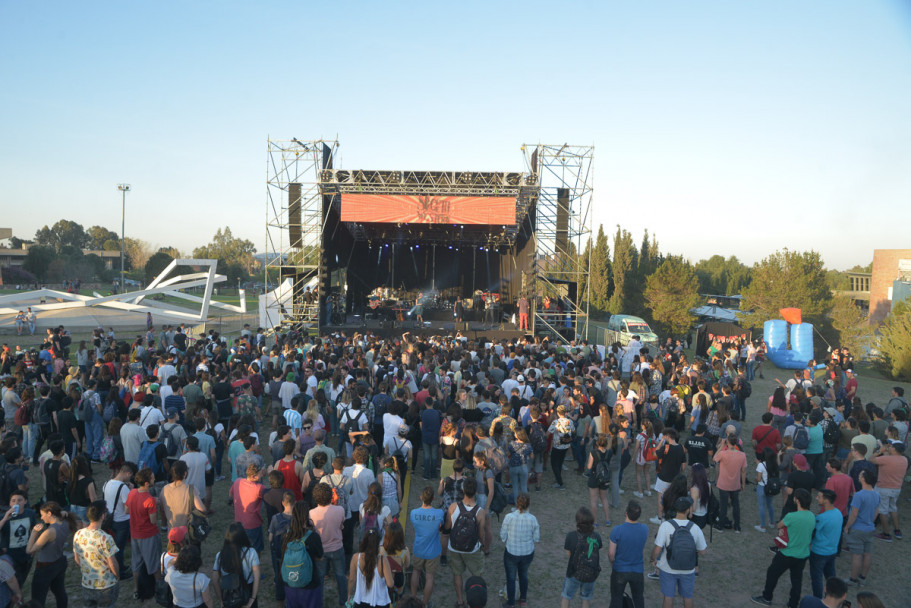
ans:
(294, 215)
(561, 238)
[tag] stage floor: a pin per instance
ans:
(473, 330)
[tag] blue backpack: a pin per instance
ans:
(148, 458)
(297, 567)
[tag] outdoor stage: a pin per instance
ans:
(471, 330)
(348, 244)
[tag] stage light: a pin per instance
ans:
(450, 246)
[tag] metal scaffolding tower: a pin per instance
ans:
(294, 222)
(563, 219)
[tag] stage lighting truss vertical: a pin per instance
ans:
(559, 261)
(295, 162)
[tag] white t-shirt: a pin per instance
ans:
(663, 537)
(109, 490)
(312, 383)
(165, 372)
(287, 392)
(394, 442)
(187, 588)
(150, 415)
(391, 424)
(760, 468)
(250, 558)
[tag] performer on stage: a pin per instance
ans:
(458, 310)
(489, 313)
(523, 313)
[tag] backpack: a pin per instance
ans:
(712, 509)
(339, 497)
(537, 437)
(773, 486)
(297, 566)
(586, 559)
(830, 433)
(198, 528)
(110, 410)
(234, 590)
(163, 596)
(148, 458)
(86, 409)
(108, 450)
(345, 419)
(746, 389)
(602, 470)
(369, 522)
(23, 416)
(681, 548)
(496, 460)
(801, 438)
(499, 500)
(170, 442)
(465, 531)
(379, 409)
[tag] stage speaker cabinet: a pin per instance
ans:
(561, 239)
(294, 215)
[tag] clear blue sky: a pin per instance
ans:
(723, 127)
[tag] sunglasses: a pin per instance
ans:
(307, 428)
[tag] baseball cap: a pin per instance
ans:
(800, 461)
(521, 378)
(683, 503)
(177, 534)
(476, 592)
(172, 412)
(831, 411)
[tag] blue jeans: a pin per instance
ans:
(750, 371)
(122, 538)
(740, 406)
(29, 434)
(821, 568)
(571, 586)
(578, 449)
(765, 506)
(94, 434)
(256, 538)
(337, 560)
(516, 564)
(618, 583)
(431, 459)
(519, 478)
(219, 456)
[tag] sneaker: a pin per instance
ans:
(655, 520)
(852, 582)
(621, 491)
(758, 599)
(862, 580)
(648, 492)
(736, 530)
(638, 494)
(897, 534)
(759, 528)
(718, 528)
(883, 536)
(220, 478)
(773, 549)
(558, 486)
(654, 575)
(607, 524)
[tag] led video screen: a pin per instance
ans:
(409, 209)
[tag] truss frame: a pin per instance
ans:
(289, 162)
(558, 167)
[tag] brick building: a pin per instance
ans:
(888, 266)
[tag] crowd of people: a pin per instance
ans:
(321, 437)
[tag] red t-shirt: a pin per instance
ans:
(142, 506)
(843, 486)
(766, 441)
(248, 500)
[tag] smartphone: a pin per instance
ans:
(16, 510)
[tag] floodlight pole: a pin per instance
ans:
(124, 188)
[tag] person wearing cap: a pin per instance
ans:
(824, 546)
(891, 466)
(95, 553)
(176, 538)
(475, 592)
(677, 582)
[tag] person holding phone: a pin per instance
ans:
(14, 530)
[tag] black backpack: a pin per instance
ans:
(746, 389)
(586, 559)
(801, 437)
(681, 547)
(235, 593)
(171, 442)
(537, 437)
(163, 596)
(465, 531)
(713, 509)
(499, 500)
(602, 470)
(830, 432)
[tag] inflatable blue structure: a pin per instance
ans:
(775, 335)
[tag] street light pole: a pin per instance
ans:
(124, 188)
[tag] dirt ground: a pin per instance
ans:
(732, 570)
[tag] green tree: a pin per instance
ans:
(851, 325)
(600, 276)
(234, 255)
(155, 264)
(583, 281)
(38, 260)
(61, 234)
(895, 343)
(624, 269)
(16, 243)
(670, 293)
(97, 236)
(787, 279)
(722, 277)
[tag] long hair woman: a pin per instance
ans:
(397, 557)
(81, 489)
(301, 529)
(644, 440)
(765, 469)
(700, 490)
(45, 544)
(237, 557)
(189, 586)
(597, 490)
(370, 577)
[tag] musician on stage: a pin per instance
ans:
(458, 310)
(523, 313)
(419, 309)
(489, 313)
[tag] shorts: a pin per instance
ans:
(428, 566)
(146, 551)
(210, 478)
(661, 485)
(858, 542)
(571, 585)
(888, 500)
(101, 598)
(674, 584)
(460, 562)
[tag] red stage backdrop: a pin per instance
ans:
(407, 209)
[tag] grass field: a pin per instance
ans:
(732, 570)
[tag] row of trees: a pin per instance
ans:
(663, 288)
(57, 253)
